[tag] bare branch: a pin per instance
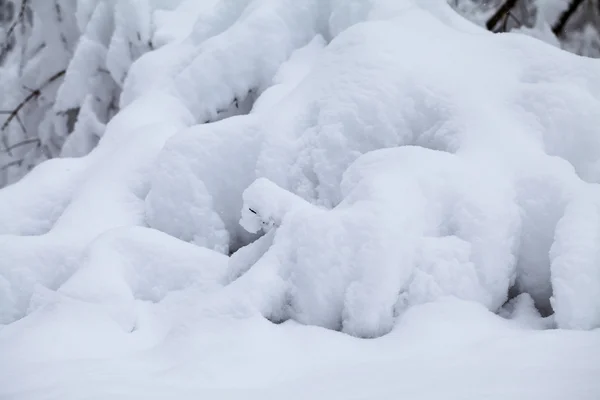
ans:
(27, 88)
(21, 124)
(22, 143)
(13, 114)
(559, 27)
(15, 163)
(6, 46)
(500, 14)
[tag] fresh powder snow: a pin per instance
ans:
(300, 199)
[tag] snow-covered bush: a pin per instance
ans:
(389, 152)
(61, 77)
(63, 62)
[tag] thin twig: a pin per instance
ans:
(509, 15)
(11, 164)
(12, 114)
(499, 14)
(22, 143)
(21, 124)
(6, 45)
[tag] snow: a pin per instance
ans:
(131, 39)
(446, 349)
(316, 199)
(86, 86)
(185, 169)
(419, 232)
(177, 22)
(575, 273)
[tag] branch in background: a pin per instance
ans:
(25, 142)
(14, 113)
(6, 46)
(559, 27)
(11, 164)
(17, 118)
(501, 13)
(508, 16)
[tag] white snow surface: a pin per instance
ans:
(312, 199)
(448, 349)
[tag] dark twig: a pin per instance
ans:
(14, 113)
(11, 164)
(22, 143)
(559, 27)
(500, 14)
(6, 46)
(21, 124)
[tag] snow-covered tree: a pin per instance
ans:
(252, 175)
(63, 65)
(572, 24)
(44, 35)
(386, 176)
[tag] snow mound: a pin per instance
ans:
(441, 349)
(141, 264)
(382, 175)
(408, 226)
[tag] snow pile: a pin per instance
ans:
(408, 225)
(380, 175)
(473, 217)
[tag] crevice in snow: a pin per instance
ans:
(238, 106)
(522, 309)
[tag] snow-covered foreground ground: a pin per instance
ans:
(311, 199)
(445, 350)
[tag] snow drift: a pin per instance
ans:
(390, 152)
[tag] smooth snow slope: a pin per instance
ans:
(450, 350)
(379, 168)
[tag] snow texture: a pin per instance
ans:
(381, 168)
(468, 205)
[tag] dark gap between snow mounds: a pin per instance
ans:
(238, 106)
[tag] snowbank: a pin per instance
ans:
(383, 175)
(486, 221)
(285, 177)
(438, 350)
